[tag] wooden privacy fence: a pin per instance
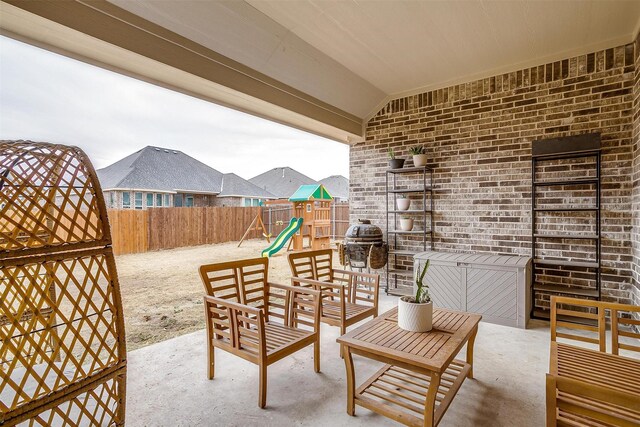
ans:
(136, 231)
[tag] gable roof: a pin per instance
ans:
(310, 192)
(282, 182)
(233, 185)
(337, 185)
(161, 169)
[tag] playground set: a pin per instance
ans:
(311, 222)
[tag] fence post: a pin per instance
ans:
(333, 220)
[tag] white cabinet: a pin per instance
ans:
(495, 286)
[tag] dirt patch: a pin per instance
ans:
(162, 292)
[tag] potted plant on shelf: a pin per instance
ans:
(406, 223)
(393, 162)
(403, 203)
(415, 313)
(419, 156)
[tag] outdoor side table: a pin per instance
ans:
(421, 375)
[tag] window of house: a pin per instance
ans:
(256, 202)
(112, 199)
(159, 200)
(126, 200)
(138, 200)
(188, 200)
(246, 201)
(167, 200)
(177, 200)
(149, 200)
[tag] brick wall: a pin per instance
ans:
(635, 234)
(478, 137)
(228, 201)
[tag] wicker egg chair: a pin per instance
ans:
(62, 354)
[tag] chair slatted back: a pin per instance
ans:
(623, 323)
(592, 331)
(243, 281)
(624, 327)
(316, 265)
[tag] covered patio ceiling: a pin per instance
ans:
(325, 67)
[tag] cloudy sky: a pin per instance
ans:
(48, 97)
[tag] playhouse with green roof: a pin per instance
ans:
(312, 203)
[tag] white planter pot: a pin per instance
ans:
(403, 204)
(415, 317)
(406, 224)
(420, 160)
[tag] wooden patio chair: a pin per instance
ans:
(347, 296)
(254, 319)
(590, 386)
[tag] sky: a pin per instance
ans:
(51, 98)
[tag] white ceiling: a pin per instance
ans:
(402, 46)
(357, 54)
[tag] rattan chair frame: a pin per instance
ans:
(63, 350)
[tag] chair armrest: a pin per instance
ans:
(241, 324)
(364, 287)
(335, 293)
(296, 289)
(303, 306)
(356, 273)
(233, 305)
(318, 283)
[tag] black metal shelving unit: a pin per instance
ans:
(399, 250)
(544, 152)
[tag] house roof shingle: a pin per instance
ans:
(233, 185)
(337, 185)
(282, 182)
(161, 169)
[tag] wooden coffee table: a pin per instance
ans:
(421, 375)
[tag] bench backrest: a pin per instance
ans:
(593, 327)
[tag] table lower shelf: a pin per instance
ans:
(400, 394)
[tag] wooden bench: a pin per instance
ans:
(590, 387)
(256, 320)
(347, 296)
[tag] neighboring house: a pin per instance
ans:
(282, 182)
(161, 177)
(338, 187)
(237, 191)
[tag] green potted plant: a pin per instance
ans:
(402, 202)
(406, 223)
(419, 156)
(415, 313)
(394, 163)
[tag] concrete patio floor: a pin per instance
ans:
(167, 384)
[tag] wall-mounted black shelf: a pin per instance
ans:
(595, 209)
(545, 153)
(412, 181)
(567, 236)
(577, 181)
(409, 190)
